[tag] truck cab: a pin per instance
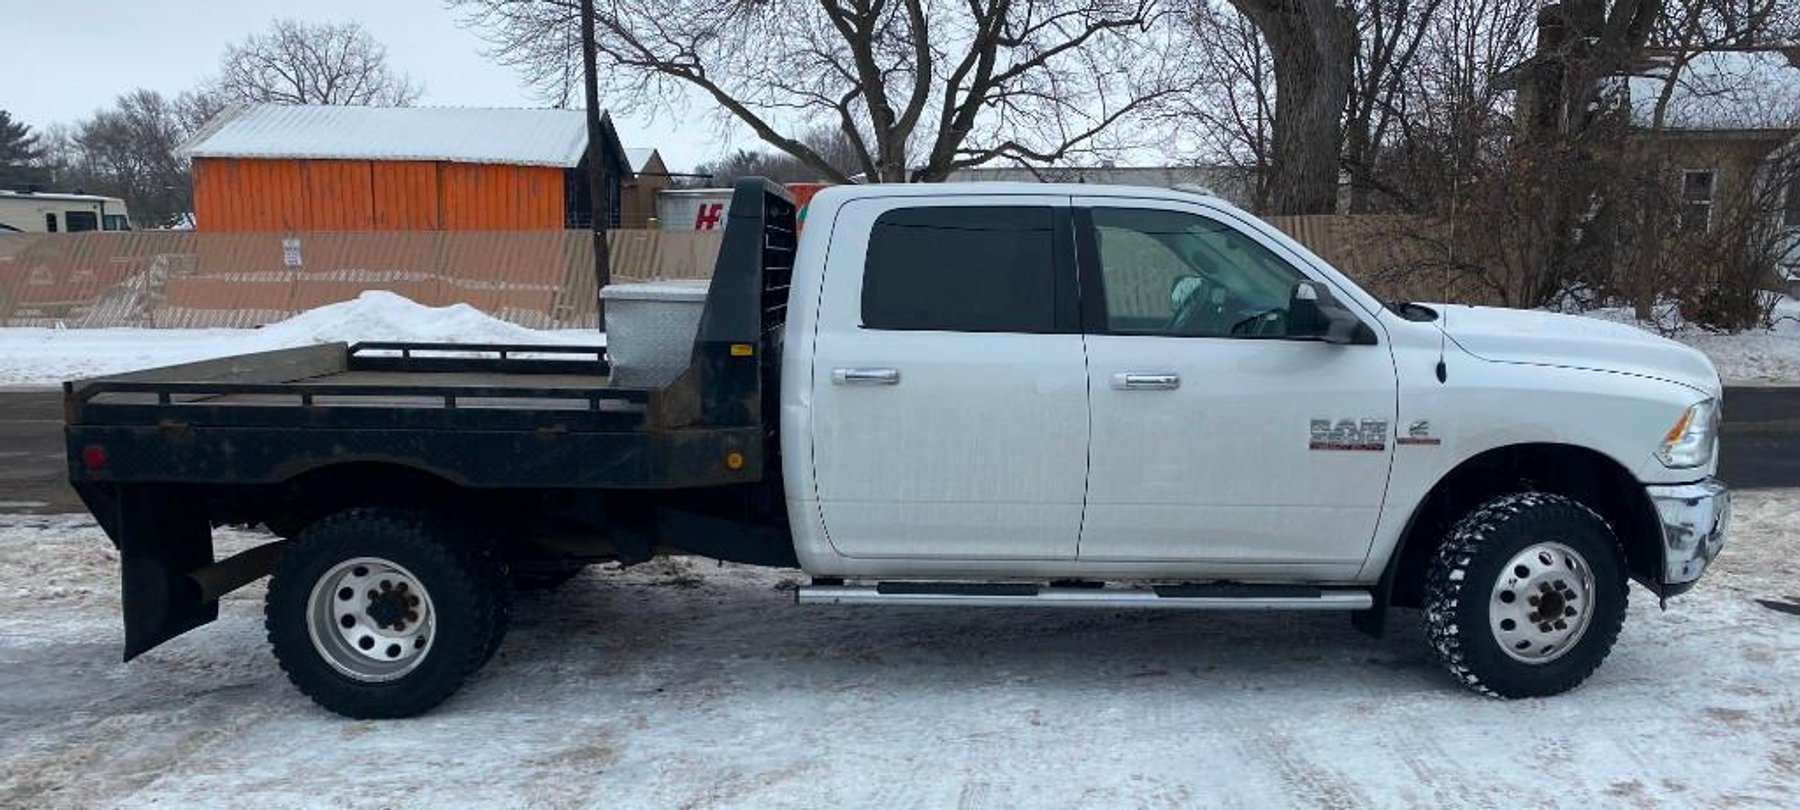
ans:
(971, 395)
(1118, 382)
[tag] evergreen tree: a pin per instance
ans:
(19, 153)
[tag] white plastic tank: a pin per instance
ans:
(693, 209)
(650, 325)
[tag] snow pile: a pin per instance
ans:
(1768, 356)
(380, 315)
(684, 684)
(32, 356)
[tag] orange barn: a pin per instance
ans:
(269, 167)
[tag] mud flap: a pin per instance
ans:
(162, 534)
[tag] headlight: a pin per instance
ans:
(1694, 437)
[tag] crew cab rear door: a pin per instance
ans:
(949, 384)
(1218, 439)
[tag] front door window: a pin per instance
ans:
(1174, 273)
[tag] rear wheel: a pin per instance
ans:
(383, 613)
(1526, 596)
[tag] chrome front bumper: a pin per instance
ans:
(1695, 521)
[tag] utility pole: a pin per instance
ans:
(597, 201)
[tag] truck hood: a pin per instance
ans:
(1533, 337)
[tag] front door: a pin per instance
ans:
(950, 414)
(1217, 438)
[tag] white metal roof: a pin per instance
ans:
(1724, 90)
(455, 134)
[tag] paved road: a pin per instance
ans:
(32, 476)
(1762, 446)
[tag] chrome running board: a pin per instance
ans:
(1168, 597)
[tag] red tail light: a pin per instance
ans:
(94, 456)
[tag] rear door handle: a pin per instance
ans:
(865, 376)
(1145, 381)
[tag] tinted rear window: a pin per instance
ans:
(962, 269)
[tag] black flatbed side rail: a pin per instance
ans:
(347, 405)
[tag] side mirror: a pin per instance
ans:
(1312, 313)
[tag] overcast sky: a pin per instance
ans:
(67, 58)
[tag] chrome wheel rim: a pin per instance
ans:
(1542, 603)
(371, 619)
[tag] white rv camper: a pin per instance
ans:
(50, 212)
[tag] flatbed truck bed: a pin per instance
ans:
(549, 447)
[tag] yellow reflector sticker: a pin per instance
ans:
(742, 350)
(735, 461)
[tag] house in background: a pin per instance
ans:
(649, 176)
(1718, 120)
(1722, 124)
(1727, 126)
(337, 168)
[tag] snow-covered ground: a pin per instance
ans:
(685, 684)
(34, 356)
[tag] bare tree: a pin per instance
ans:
(1314, 47)
(1390, 33)
(1694, 30)
(128, 151)
(780, 166)
(1452, 123)
(298, 62)
(918, 88)
(1230, 112)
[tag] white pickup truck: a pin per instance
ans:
(969, 395)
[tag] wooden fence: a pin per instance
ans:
(533, 278)
(187, 279)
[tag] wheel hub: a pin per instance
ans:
(1541, 603)
(370, 619)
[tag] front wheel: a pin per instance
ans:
(1526, 596)
(383, 613)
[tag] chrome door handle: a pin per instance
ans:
(865, 376)
(1145, 381)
